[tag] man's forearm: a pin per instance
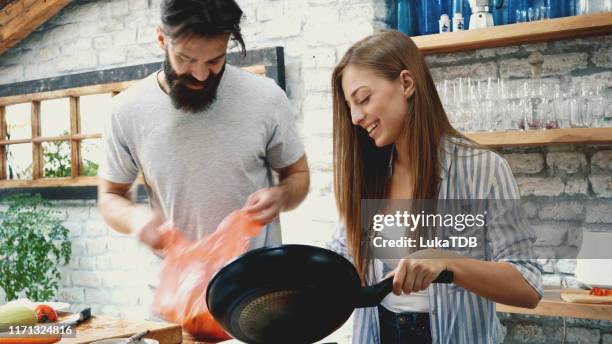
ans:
(295, 188)
(117, 211)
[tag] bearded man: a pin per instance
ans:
(205, 135)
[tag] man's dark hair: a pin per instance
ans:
(206, 18)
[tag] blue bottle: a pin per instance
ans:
(407, 17)
(498, 12)
(514, 5)
(570, 8)
(447, 8)
(463, 7)
(429, 14)
(467, 12)
(561, 8)
(457, 6)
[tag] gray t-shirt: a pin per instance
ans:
(200, 167)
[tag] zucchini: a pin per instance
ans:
(16, 315)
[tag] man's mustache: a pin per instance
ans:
(190, 80)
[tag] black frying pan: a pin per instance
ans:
(290, 294)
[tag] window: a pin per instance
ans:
(51, 135)
(54, 138)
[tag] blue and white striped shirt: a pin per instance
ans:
(458, 315)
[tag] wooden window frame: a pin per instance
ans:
(74, 138)
(268, 61)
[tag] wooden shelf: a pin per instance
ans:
(514, 34)
(553, 305)
(550, 137)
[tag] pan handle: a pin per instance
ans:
(372, 295)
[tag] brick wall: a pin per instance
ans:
(568, 188)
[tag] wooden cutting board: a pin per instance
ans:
(582, 296)
(102, 327)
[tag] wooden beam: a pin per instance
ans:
(75, 145)
(81, 137)
(14, 142)
(49, 182)
(19, 18)
(68, 92)
(37, 160)
(3, 161)
(78, 137)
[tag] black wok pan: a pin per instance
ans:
(290, 294)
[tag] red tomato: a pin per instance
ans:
(601, 292)
(45, 314)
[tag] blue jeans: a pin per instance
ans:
(412, 328)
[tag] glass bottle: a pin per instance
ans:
(497, 6)
(429, 14)
(467, 13)
(407, 17)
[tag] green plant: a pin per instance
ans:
(57, 164)
(33, 244)
(56, 155)
(90, 168)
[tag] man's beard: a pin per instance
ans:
(188, 99)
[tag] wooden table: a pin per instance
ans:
(103, 327)
(552, 305)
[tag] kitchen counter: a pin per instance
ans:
(104, 327)
(552, 305)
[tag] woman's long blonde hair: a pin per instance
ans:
(362, 170)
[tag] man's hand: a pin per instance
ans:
(265, 204)
(126, 217)
(148, 226)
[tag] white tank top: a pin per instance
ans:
(417, 302)
(414, 302)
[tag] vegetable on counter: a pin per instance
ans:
(19, 315)
(15, 315)
(45, 314)
(601, 292)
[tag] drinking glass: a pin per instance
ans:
(580, 112)
(545, 12)
(521, 16)
(533, 14)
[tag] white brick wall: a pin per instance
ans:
(558, 184)
(109, 272)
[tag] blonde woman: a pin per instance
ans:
(393, 140)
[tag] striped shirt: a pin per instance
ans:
(458, 315)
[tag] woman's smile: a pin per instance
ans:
(371, 129)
